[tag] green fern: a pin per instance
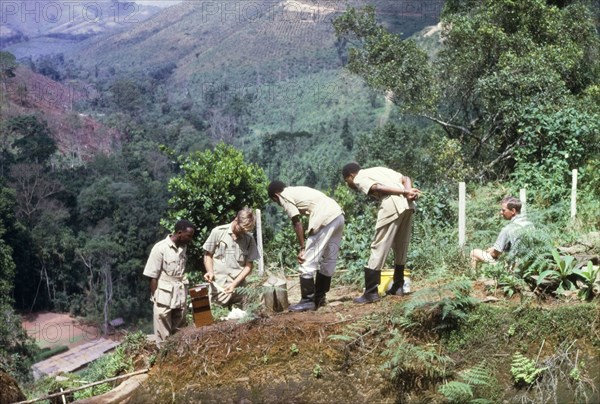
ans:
(478, 375)
(463, 391)
(456, 392)
(524, 370)
(412, 365)
(441, 308)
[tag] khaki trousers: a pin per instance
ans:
(322, 249)
(393, 236)
(167, 320)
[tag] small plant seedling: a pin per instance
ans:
(317, 371)
(294, 349)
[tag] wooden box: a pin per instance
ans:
(201, 305)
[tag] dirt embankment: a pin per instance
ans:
(337, 354)
(288, 357)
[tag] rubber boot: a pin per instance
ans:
(372, 281)
(322, 286)
(307, 291)
(397, 286)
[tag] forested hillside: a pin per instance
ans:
(191, 111)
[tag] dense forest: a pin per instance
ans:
(500, 94)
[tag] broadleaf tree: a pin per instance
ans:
(498, 59)
(211, 187)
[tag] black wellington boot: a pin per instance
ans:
(372, 281)
(307, 301)
(396, 289)
(322, 286)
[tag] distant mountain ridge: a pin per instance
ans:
(26, 22)
(263, 67)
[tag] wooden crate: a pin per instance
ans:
(201, 305)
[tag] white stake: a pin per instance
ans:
(461, 214)
(574, 194)
(523, 198)
(259, 241)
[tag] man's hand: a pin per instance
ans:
(229, 289)
(413, 194)
(209, 277)
(300, 256)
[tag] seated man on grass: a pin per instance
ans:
(510, 210)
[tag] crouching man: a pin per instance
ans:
(229, 253)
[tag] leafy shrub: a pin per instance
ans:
(211, 188)
(553, 143)
(590, 276)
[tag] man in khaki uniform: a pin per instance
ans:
(394, 222)
(228, 255)
(321, 249)
(168, 288)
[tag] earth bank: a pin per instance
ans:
(349, 353)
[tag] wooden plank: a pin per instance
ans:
(74, 358)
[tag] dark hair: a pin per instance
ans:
(183, 225)
(350, 168)
(513, 203)
(275, 187)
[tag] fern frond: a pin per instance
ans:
(477, 376)
(456, 392)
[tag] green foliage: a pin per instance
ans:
(524, 370)
(317, 372)
(442, 308)
(386, 61)
(552, 144)
(561, 274)
(49, 352)
(423, 153)
(8, 63)
(212, 187)
(32, 141)
(294, 349)
(472, 379)
(591, 278)
(411, 365)
(17, 349)
(498, 60)
(118, 362)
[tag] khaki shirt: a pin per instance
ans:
(391, 205)
(167, 264)
(320, 209)
(229, 255)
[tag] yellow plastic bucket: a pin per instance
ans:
(387, 279)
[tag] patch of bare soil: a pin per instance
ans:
(54, 329)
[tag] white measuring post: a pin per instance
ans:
(259, 241)
(523, 199)
(462, 211)
(574, 194)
